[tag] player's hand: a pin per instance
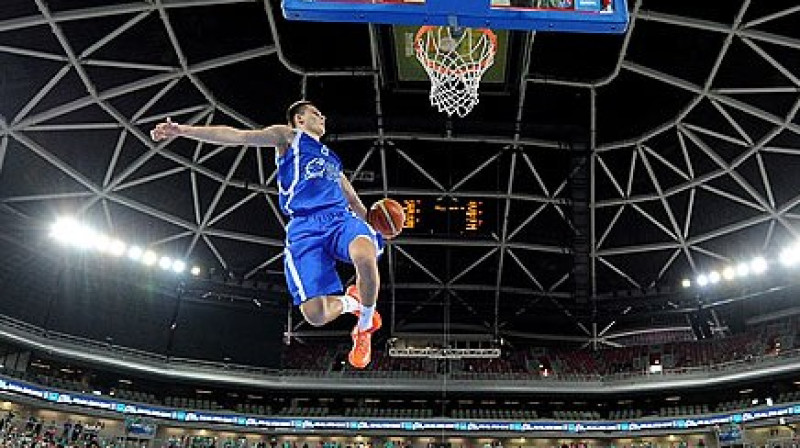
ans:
(165, 130)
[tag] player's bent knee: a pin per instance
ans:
(362, 251)
(314, 311)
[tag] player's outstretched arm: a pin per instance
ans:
(352, 198)
(276, 135)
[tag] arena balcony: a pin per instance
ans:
(612, 371)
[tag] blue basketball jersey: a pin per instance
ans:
(308, 177)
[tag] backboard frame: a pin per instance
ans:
(466, 13)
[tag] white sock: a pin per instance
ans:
(349, 304)
(365, 319)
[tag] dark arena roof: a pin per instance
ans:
(567, 208)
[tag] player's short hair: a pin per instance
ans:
(295, 109)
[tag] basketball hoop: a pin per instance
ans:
(455, 60)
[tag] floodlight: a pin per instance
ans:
(728, 273)
(742, 270)
(702, 280)
(789, 256)
(149, 258)
(82, 237)
(69, 231)
(63, 228)
(686, 283)
(714, 277)
(135, 253)
(117, 248)
(758, 265)
(165, 262)
(102, 243)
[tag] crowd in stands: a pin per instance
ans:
(33, 432)
(28, 431)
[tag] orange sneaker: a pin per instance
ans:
(361, 353)
(377, 322)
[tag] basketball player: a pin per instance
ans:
(327, 220)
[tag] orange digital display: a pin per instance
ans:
(412, 209)
(474, 216)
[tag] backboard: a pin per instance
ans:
(576, 16)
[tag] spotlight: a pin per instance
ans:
(102, 243)
(195, 271)
(789, 256)
(702, 280)
(135, 253)
(165, 262)
(742, 270)
(82, 237)
(178, 266)
(686, 283)
(149, 258)
(758, 265)
(117, 248)
(63, 229)
(728, 273)
(713, 277)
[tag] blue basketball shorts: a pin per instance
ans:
(314, 244)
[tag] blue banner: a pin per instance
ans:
(340, 424)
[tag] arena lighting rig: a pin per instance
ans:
(789, 257)
(69, 232)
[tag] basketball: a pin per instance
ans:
(387, 217)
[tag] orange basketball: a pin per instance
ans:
(387, 217)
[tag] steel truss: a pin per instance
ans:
(687, 250)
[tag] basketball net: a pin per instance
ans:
(455, 60)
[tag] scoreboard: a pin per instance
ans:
(444, 215)
(411, 207)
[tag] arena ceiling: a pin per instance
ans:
(686, 128)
